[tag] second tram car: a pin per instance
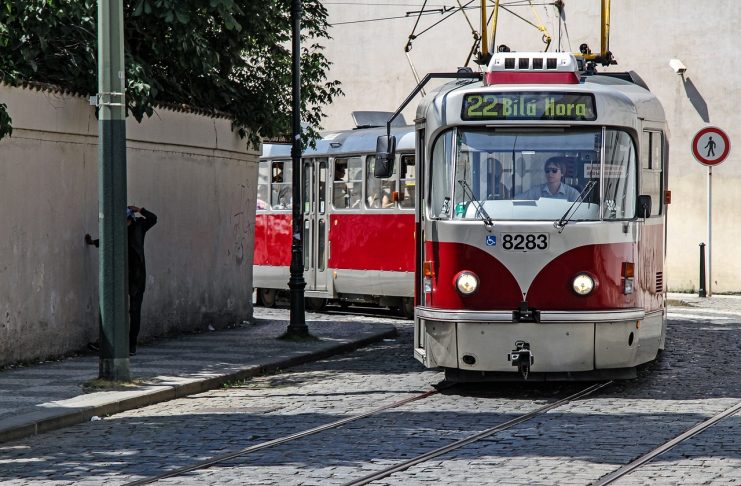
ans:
(541, 213)
(358, 229)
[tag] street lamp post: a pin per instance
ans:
(297, 327)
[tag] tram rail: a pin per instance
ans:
(670, 444)
(391, 470)
(476, 437)
(282, 440)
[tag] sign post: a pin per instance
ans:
(710, 147)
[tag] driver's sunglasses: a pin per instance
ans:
(552, 170)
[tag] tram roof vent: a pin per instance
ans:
(370, 119)
(533, 68)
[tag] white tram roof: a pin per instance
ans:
(618, 101)
(345, 142)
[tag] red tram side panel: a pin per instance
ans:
(272, 240)
(372, 242)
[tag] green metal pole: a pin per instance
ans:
(113, 276)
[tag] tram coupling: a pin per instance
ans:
(522, 357)
(525, 314)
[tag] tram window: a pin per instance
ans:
(378, 191)
(263, 186)
(320, 245)
(308, 181)
(651, 175)
(441, 167)
(307, 245)
(619, 179)
(348, 183)
(322, 186)
(280, 196)
(408, 180)
(534, 174)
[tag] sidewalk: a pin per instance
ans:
(718, 302)
(50, 395)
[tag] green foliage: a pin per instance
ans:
(228, 56)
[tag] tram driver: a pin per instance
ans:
(554, 187)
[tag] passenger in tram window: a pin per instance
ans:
(379, 197)
(408, 199)
(282, 195)
(497, 189)
(340, 195)
(378, 191)
(554, 188)
(383, 201)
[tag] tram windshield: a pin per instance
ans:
(533, 174)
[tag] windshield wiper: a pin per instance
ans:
(480, 211)
(561, 223)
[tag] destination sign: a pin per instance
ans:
(529, 106)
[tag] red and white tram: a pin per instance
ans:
(542, 211)
(358, 229)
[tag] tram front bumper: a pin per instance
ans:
(560, 342)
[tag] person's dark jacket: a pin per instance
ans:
(137, 262)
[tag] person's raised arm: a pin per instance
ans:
(90, 241)
(150, 219)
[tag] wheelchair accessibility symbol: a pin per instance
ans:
(491, 240)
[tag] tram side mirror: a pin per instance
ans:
(644, 206)
(385, 154)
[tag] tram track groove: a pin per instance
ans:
(670, 444)
(384, 473)
(281, 440)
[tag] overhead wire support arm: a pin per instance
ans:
(474, 33)
(413, 36)
(425, 80)
(541, 27)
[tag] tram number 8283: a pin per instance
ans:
(524, 241)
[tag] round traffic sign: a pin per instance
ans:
(711, 146)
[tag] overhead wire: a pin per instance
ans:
(461, 8)
(514, 3)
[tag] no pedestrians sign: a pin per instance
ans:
(711, 146)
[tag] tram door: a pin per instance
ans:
(315, 223)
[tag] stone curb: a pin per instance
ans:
(112, 402)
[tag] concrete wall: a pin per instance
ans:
(192, 171)
(369, 59)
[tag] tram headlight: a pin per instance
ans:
(466, 282)
(583, 284)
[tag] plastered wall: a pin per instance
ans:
(191, 170)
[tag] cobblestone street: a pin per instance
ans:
(695, 378)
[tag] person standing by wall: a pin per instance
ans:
(137, 229)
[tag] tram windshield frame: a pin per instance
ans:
(507, 174)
